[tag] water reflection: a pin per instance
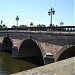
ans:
(8, 65)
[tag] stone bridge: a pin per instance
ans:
(38, 44)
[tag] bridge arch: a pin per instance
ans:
(7, 45)
(67, 51)
(30, 51)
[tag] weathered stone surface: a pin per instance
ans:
(64, 67)
(50, 42)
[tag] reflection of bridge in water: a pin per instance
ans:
(23, 45)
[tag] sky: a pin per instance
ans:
(36, 11)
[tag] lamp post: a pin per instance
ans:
(17, 18)
(51, 12)
(1, 22)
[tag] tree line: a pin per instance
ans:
(3, 26)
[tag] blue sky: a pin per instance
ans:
(36, 11)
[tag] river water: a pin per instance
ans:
(8, 65)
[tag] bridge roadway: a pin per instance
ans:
(59, 44)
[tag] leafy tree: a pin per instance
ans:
(31, 24)
(0, 26)
(43, 25)
(4, 26)
(39, 25)
(13, 26)
(61, 23)
(22, 26)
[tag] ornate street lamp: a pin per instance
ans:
(51, 11)
(17, 18)
(1, 22)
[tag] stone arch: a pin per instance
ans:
(67, 51)
(31, 52)
(7, 45)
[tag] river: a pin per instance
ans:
(8, 65)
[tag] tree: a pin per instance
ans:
(4, 26)
(39, 25)
(43, 25)
(13, 26)
(22, 26)
(0, 26)
(31, 24)
(61, 23)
